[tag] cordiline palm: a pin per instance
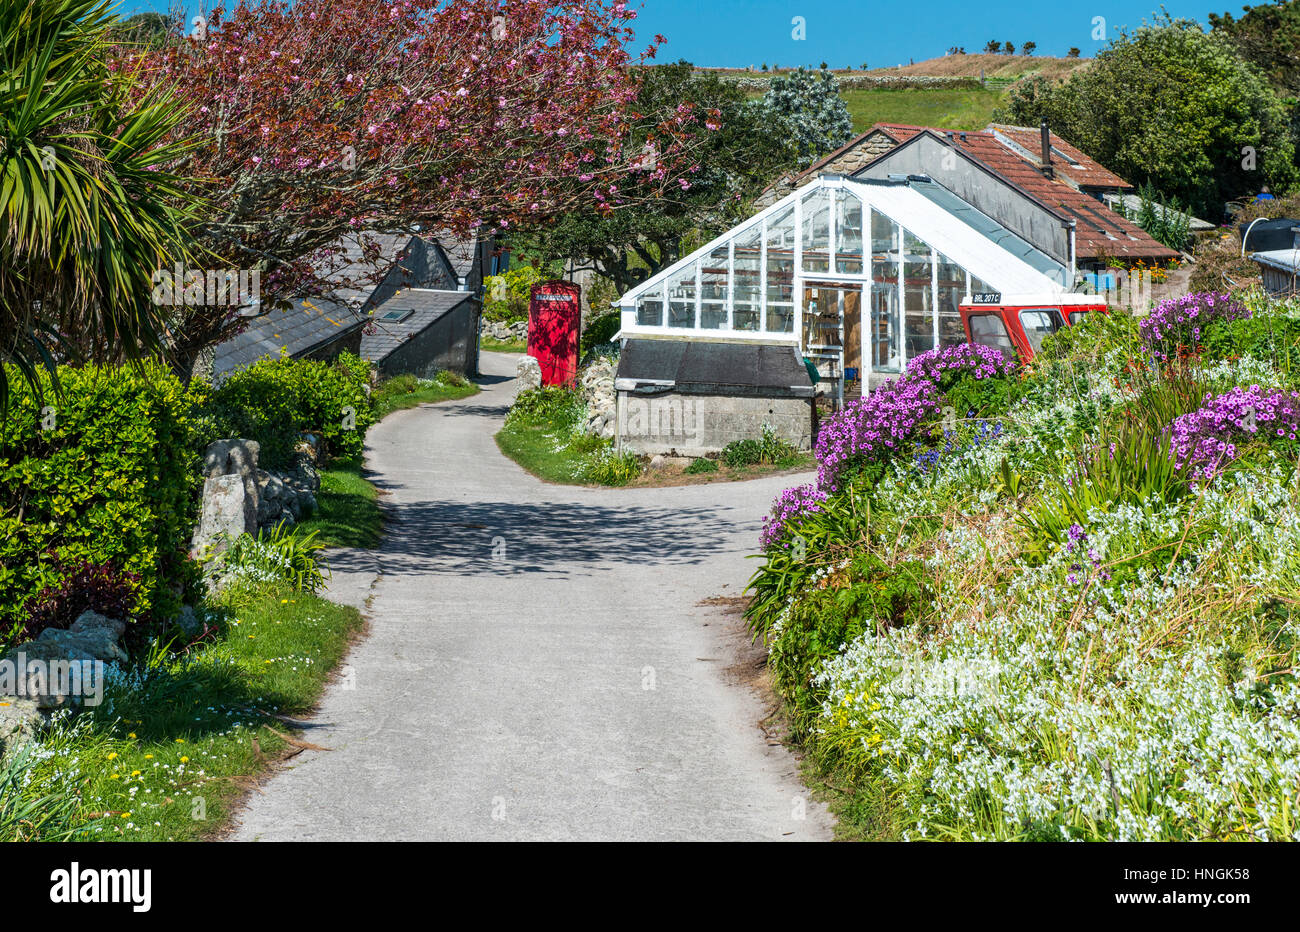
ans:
(87, 209)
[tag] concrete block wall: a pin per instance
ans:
(696, 425)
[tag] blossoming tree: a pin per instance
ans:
(325, 118)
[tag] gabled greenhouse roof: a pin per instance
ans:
(960, 241)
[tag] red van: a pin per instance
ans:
(1017, 323)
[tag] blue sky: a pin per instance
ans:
(844, 32)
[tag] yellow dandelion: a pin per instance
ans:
(112, 755)
(185, 760)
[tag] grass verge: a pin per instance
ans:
(405, 391)
(487, 344)
(347, 513)
(170, 750)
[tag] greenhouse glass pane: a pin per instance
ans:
(748, 271)
(848, 233)
(952, 291)
(681, 297)
(650, 308)
(817, 231)
(918, 295)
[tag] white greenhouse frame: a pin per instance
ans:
(949, 239)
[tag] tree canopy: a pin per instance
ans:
(736, 153)
(1171, 105)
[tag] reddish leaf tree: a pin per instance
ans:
(323, 118)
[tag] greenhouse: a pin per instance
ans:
(858, 275)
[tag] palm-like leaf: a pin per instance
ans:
(86, 216)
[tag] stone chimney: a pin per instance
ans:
(1045, 136)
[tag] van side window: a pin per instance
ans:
(1038, 323)
(989, 330)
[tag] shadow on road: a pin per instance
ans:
(555, 539)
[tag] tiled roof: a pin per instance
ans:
(427, 307)
(1099, 231)
(308, 324)
(1077, 166)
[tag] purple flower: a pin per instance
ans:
(1170, 325)
(1213, 434)
(790, 505)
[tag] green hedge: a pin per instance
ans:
(274, 400)
(114, 478)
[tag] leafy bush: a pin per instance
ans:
(549, 405)
(82, 586)
(1272, 338)
(275, 400)
(862, 598)
(506, 296)
(447, 377)
(1094, 334)
(767, 450)
(600, 330)
(105, 472)
(701, 465)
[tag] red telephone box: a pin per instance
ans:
(554, 317)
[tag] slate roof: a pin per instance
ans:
(704, 367)
(310, 323)
(1099, 231)
(427, 305)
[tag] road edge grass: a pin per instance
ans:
(172, 751)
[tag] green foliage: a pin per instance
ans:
(701, 466)
(48, 813)
(1130, 466)
(767, 450)
(506, 296)
(89, 209)
(807, 107)
(280, 555)
(600, 330)
(114, 479)
(605, 467)
(1271, 338)
(868, 595)
(550, 405)
(736, 159)
(1167, 223)
(1174, 106)
(275, 400)
(1093, 336)
(972, 397)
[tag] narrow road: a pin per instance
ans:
(539, 665)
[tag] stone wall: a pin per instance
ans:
(596, 386)
(678, 424)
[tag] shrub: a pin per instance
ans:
(1175, 325)
(605, 467)
(873, 428)
(1271, 338)
(701, 466)
(106, 473)
(82, 586)
(275, 400)
(867, 596)
(550, 405)
(601, 330)
(506, 296)
(447, 377)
